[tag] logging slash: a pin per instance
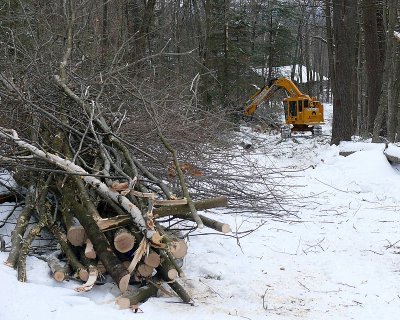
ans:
(103, 225)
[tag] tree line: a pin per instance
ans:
(199, 58)
(364, 68)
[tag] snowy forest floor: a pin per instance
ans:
(338, 258)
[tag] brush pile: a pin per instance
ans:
(82, 182)
(89, 131)
(107, 212)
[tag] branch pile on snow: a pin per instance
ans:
(107, 217)
(84, 178)
(108, 212)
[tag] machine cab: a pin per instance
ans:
(303, 110)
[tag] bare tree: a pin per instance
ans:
(344, 29)
(389, 99)
(374, 64)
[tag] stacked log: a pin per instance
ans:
(85, 184)
(123, 240)
(103, 226)
(59, 270)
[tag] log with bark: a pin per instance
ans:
(105, 214)
(59, 270)
(90, 151)
(86, 186)
(134, 297)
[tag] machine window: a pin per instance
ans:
(300, 106)
(293, 108)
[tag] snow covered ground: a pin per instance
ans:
(338, 259)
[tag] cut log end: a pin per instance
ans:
(90, 253)
(76, 235)
(178, 249)
(152, 260)
(135, 297)
(172, 274)
(83, 274)
(124, 282)
(58, 269)
(226, 228)
(123, 303)
(144, 270)
(124, 241)
(9, 264)
(59, 276)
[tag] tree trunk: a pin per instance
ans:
(104, 31)
(373, 62)
(344, 26)
(387, 95)
(362, 114)
(144, 29)
(152, 259)
(330, 43)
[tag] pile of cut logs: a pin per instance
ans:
(108, 213)
(83, 180)
(99, 234)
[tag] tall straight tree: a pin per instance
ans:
(329, 40)
(344, 30)
(217, 49)
(373, 61)
(388, 102)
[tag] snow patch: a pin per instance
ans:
(393, 150)
(354, 146)
(300, 75)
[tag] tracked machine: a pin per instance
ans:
(302, 113)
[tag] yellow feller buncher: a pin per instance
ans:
(302, 113)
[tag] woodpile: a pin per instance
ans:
(104, 225)
(85, 185)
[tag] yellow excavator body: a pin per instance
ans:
(302, 112)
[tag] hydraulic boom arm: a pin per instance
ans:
(268, 91)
